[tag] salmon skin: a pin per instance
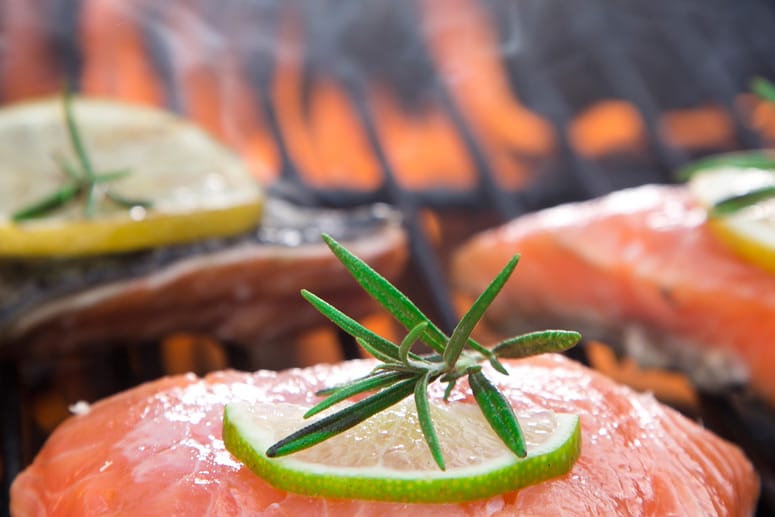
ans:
(640, 270)
(243, 289)
(157, 450)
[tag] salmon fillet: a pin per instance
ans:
(157, 450)
(242, 290)
(640, 269)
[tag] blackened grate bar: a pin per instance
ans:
(11, 431)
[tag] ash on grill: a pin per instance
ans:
(461, 114)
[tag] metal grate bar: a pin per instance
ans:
(505, 204)
(586, 179)
(421, 250)
(754, 21)
(160, 57)
(65, 17)
(712, 76)
(582, 178)
(12, 435)
(627, 80)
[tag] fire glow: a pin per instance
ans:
(336, 128)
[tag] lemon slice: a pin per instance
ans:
(386, 458)
(198, 188)
(750, 231)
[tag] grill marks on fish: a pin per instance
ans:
(167, 289)
(159, 451)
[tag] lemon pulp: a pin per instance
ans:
(385, 458)
(749, 232)
(198, 188)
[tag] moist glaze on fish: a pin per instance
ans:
(157, 450)
(243, 289)
(639, 269)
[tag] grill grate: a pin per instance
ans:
(559, 61)
(10, 409)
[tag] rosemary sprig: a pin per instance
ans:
(84, 180)
(746, 159)
(743, 159)
(730, 205)
(404, 373)
(764, 89)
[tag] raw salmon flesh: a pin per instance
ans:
(156, 450)
(639, 269)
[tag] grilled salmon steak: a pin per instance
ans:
(640, 269)
(157, 450)
(242, 289)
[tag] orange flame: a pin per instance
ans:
(424, 151)
(27, 67)
(463, 44)
(217, 95)
(183, 353)
(325, 137)
(607, 127)
(697, 128)
(760, 114)
(115, 64)
(329, 147)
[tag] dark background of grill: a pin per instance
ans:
(561, 55)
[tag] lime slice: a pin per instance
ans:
(750, 231)
(385, 458)
(198, 188)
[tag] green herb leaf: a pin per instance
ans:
(426, 421)
(75, 136)
(352, 327)
(396, 303)
(497, 411)
(343, 420)
(331, 389)
(764, 89)
(496, 364)
(533, 343)
(450, 386)
(404, 368)
(735, 203)
(69, 169)
(403, 373)
(48, 203)
(84, 180)
(125, 201)
(107, 177)
(409, 340)
(376, 352)
(368, 383)
(91, 199)
(471, 318)
(387, 295)
(746, 159)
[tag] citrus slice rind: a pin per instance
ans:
(249, 429)
(198, 188)
(95, 237)
(749, 232)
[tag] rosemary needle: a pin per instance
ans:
(403, 373)
(84, 179)
(732, 204)
(764, 89)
